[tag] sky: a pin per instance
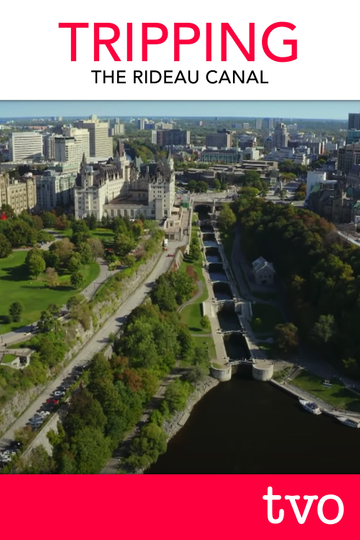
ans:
(279, 109)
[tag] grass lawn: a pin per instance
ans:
(191, 316)
(8, 358)
(105, 235)
(33, 294)
(269, 315)
(205, 343)
(338, 396)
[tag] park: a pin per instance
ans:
(33, 294)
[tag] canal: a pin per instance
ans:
(245, 426)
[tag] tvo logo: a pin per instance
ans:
(301, 518)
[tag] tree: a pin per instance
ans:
(324, 329)
(15, 311)
(5, 246)
(123, 244)
(226, 218)
(176, 395)
(74, 262)
(192, 185)
(217, 184)
(205, 322)
(7, 210)
(36, 265)
(163, 294)
(202, 186)
(90, 450)
(47, 322)
(183, 285)
(85, 253)
(96, 247)
(91, 222)
(77, 280)
(286, 337)
(49, 220)
(195, 251)
(52, 277)
(80, 226)
(148, 446)
(75, 300)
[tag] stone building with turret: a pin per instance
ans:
(121, 188)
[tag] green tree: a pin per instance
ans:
(49, 220)
(77, 280)
(195, 251)
(123, 244)
(52, 277)
(227, 218)
(5, 246)
(324, 330)
(202, 186)
(217, 184)
(36, 265)
(148, 446)
(91, 222)
(205, 322)
(90, 450)
(86, 255)
(15, 311)
(192, 185)
(96, 247)
(176, 395)
(286, 337)
(74, 262)
(7, 210)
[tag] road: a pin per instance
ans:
(98, 341)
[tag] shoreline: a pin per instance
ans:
(173, 426)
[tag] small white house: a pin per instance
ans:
(264, 271)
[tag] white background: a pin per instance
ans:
(36, 62)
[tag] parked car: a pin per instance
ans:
(58, 393)
(53, 401)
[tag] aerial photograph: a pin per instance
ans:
(179, 287)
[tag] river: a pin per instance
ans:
(245, 426)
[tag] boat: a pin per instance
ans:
(310, 406)
(348, 422)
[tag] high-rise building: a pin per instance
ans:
(82, 139)
(69, 150)
(19, 194)
(25, 146)
(116, 128)
(171, 137)
(258, 123)
(354, 121)
(141, 123)
(101, 145)
(221, 139)
(353, 136)
(269, 123)
(348, 156)
(49, 145)
(280, 138)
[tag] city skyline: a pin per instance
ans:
(317, 110)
